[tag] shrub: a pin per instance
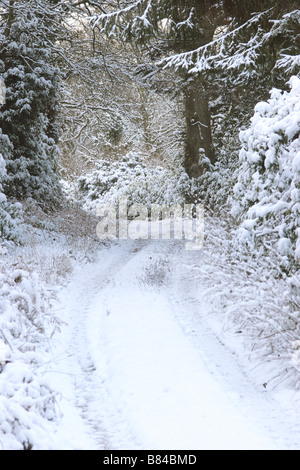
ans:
(131, 177)
(266, 199)
(27, 402)
(9, 213)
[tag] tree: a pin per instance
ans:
(264, 47)
(10, 214)
(107, 108)
(172, 26)
(186, 35)
(29, 117)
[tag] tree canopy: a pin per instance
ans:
(174, 79)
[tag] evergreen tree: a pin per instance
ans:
(10, 214)
(215, 45)
(164, 28)
(29, 117)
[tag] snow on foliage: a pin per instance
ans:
(267, 194)
(131, 177)
(2, 174)
(27, 403)
(9, 213)
(251, 304)
(28, 118)
(241, 50)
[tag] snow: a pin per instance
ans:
(4, 352)
(27, 404)
(267, 190)
(142, 344)
(131, 177)
(133, 345)
(140, 366)
(157, 376)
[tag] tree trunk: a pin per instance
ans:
(198, 132)
(10, 18)
(197, 114)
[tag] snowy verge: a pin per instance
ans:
(26, 325)
(30, 276)
(251, 304)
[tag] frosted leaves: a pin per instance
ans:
(2, 92)
(296, 353)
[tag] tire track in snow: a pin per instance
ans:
(159, 380)
(275, 412)
(104, 427)
(148, 373)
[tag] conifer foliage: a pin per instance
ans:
(9, 213)
(218, 47)
(28, 119)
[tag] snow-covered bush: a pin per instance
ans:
(29, 115)
(9, 213)
(131, 177)
(267, 194)
(251, 304)
(27, 403)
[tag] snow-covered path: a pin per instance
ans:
(138, 367)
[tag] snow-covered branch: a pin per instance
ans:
(240, 47)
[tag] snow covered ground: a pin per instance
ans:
(144, 345)
(139, 365)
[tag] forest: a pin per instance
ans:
(163, 102)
